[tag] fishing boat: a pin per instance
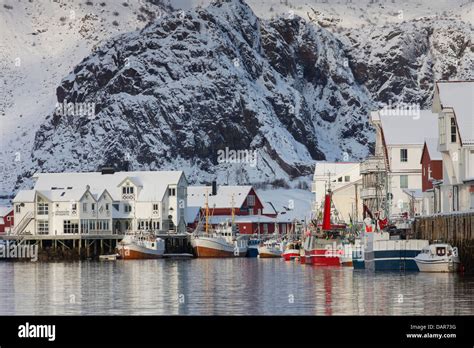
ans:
(141, 245)
(321, 246)
(358, 255)
(220, 241)
(272, 248)
(252, 247)
(292, 250)
(438, 257)
(385, 254)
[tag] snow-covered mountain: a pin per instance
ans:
(192, 83)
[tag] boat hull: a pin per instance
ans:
(358, 264)
(135, 252)
(291, 254)
(268, 253)
(441, 266)
(391, 260)
(320, 257)
(252, 252)
(208, 247)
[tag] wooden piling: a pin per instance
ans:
(455, 229)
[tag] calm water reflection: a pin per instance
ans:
(226, 286)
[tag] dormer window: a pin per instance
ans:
(127, 190)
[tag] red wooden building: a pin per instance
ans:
(251, 214)
(431, 164)
(6, 219)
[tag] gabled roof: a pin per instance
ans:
(322, 168)
(431, 145)
(223, 198)
(25, 196)
(4, 211)
(154, 183)
(459, 95)
(408, 130)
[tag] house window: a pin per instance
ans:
(93, 206)
(347, 178)
(127, 190)
(116, 206)
(74, 206)
(17, 209)
(403, 181)
(251, 200)
(107, 207)
(403, 155)
(453, 130)
(9, 218)
(43, 227)
(339, 179)
(171, 192)
(127, 208)
(442, 130)
(70, 227)
(43, 209)
(84, 207)
(155, 207)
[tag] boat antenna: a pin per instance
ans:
(233, 211)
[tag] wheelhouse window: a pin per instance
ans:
(403, 155)
(42, 208)
(453, 130)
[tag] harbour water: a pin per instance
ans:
(237, 286)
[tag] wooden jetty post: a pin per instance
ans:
(456, 229)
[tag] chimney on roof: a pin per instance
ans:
(107, 170)
(214, 188)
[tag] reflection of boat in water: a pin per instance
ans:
(385, 254)
(439, 257)
(272, 248)
(141, 245)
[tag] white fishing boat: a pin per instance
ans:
(220, 241)
(438, 257)
(141, 245)
(271, 248)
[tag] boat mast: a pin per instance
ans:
(207, 211)
(233, 211)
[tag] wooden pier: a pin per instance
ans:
(456, 229)
(83, 247)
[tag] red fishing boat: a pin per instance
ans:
(321, 246)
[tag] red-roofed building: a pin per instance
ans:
(6, 219)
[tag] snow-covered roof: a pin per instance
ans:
(191, 214)
(322, 168)
(25, 196)
(432, 147)
(399, 129)
(459, 95)
(242, 219)
(153, 183)
(5, 210)
(223, 198)
(290, 204)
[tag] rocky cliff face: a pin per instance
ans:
(188, 85)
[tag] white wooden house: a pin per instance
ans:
(102, 203)
(454, 103)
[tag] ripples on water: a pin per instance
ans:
(225, 286)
